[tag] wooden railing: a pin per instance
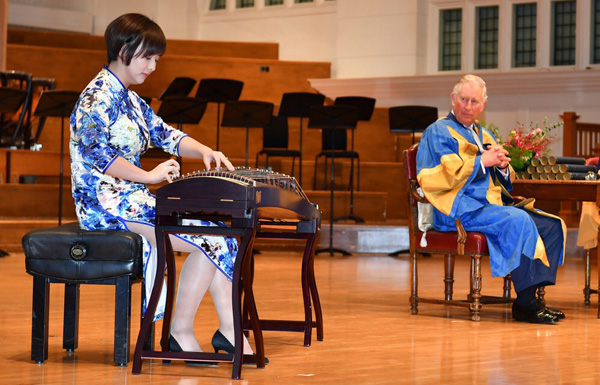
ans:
(580, 139)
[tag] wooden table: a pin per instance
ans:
(564, 190)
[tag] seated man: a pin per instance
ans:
(461, 170)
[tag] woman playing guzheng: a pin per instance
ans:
(111, 127)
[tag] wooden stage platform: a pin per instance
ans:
(370, 337)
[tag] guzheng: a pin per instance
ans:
(242, 196)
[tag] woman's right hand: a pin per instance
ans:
(167, 170)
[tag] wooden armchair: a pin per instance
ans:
(450, 244)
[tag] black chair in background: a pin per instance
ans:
(10, 129)
(335, 145)
(411, 119)
(180, 86)
(219, 91)
(275, 142)
(247, 113)
(297, 105)
(333, 121)
(365, 108)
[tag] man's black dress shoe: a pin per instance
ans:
(219, 342)
(535, 312)
(175, 347)
(555, 312)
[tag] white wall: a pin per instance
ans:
(305, 32)
(378, 48)
(376, 38)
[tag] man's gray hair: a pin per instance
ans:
(470, 78)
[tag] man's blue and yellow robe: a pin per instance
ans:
(453, 179)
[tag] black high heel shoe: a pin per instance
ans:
(219, 342)
(176, 348)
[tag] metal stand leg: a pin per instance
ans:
(331, 250)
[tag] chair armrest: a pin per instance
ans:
(462, 237)
(413, 186)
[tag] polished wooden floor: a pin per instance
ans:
(370, 335)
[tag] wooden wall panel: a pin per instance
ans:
(34, 201)
(174, 46)
(38, 163)
(74, 68)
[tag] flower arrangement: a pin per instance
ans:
(524, 145)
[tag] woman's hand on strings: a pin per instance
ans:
(168, 170)
(219, 158)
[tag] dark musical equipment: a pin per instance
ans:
(411, 119)
(180, 86)
(219, 91)
(255, 203)
(58, 103)
(297, 105)
(332, 119)
(247, 113)
(365, 107)
(182, 109)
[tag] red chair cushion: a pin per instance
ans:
(445, 241)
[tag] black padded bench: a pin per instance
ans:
(72, 256)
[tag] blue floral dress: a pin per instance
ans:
(109, 121)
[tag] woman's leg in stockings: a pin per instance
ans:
(222, 295)
(197, 275)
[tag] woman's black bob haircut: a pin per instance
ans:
(131, 31)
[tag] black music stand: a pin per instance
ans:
(180, 86)
(365, 108)
(247, 113)
(57, 103)
(332, 118)
(297, 105)
(182, 109)
(219, 91)
(411, 119)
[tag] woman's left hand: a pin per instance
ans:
(220, 160)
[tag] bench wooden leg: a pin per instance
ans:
(122, 320)
(71, 317)
(39, 319)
